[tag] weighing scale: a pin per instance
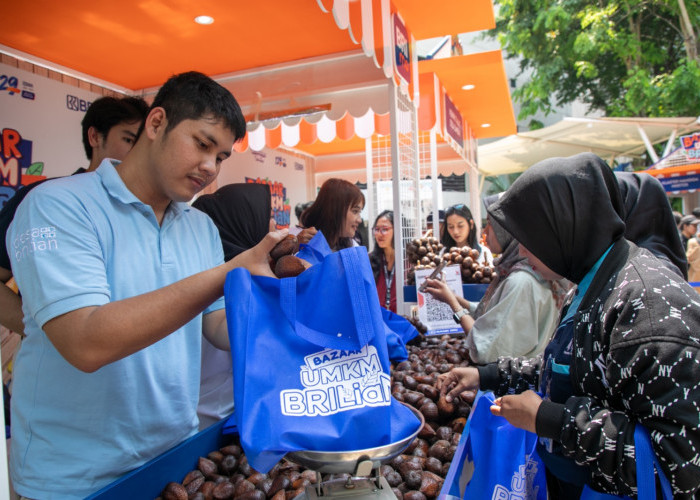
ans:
(365, 481)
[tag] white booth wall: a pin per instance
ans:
(39, 123)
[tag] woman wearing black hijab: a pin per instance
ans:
(625, 352)
(241, 212)
(649, 220)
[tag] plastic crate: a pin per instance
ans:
(148, 481)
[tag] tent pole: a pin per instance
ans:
(669, 143)
(647, 143)
(371, 209)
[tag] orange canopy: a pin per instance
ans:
(137, 44)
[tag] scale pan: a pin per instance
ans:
(339, 462)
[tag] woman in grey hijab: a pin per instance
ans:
(518, 313)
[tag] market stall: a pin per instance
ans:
(354, 78)
(679, 170)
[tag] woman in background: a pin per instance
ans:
(519, 311)
(242, 213)
(460, 231)
(382, 259)
(336, 213)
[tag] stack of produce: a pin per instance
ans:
(473, 271)
(427, 253)
(417, 474)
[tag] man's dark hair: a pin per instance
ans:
(193, 95)
(106, 112)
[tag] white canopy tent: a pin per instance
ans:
(607, 137)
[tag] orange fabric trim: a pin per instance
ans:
(307, 132)
(325, 5)
(241, 145)
(382, 124)
(426, 109)
(378, 34)
(345, 127)
(356, 21)
(273, 137)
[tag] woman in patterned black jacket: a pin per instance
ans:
(625, 352)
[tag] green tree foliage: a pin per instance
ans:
(622, 57)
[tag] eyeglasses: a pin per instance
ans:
(383, 230)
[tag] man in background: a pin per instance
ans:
(109, 130)
(688, 227)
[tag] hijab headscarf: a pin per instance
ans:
(241, 213)
(508, 261)
(565, 211)
(649, 221)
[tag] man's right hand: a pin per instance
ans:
(306, 235)
(461, 381)
(257, 259)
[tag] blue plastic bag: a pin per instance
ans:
(646, 463)
(315, 250)
(310, 361)
(494, 460)
(398, 329)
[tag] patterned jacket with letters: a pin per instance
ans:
(635, 359)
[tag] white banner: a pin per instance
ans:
(40, 132)
(285, 173)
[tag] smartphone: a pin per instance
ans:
(435, 274)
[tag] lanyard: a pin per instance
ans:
(388, 279)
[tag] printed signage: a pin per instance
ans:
(680, 183)
(434, 314)
(402, 50)
(336, 381)
(281, 207)
(454, 127)
(16, 167)
(691, 146)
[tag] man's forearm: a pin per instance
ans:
(92, 337)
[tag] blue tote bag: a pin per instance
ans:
(646, 463)
(310, 361)
(315, 250)
(494, 459)
(398, 329)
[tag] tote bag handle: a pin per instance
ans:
(646, 463)
(360, 307)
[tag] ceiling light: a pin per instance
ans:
(485, 125)
(203, 19)
(468, 86)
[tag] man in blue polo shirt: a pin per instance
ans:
(120, 279)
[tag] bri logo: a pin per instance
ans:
(76, 103)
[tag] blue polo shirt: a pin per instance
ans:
(83, 241)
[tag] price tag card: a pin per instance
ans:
(436, 315)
